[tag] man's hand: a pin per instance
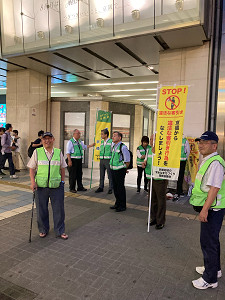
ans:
(69, 163)
(203, 215)
(143, 157)
(33, 186)
(144, 164)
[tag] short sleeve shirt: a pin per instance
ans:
(33, 162)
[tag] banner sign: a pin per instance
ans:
(170, 121)
(103, 122)
(193, 161)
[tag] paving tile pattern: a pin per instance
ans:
(108, 256)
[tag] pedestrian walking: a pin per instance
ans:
(2, 131)
(208, 198)
(16, 152)
(49, 166)
(6, 142)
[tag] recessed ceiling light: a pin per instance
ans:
(117, 96)
(131, 90)
(121, 83)
(147, 99)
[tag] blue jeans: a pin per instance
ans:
(56, 196)
(210, 244)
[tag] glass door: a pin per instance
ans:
(73, 120)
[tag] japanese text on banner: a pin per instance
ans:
(170, 121)
(103, 122)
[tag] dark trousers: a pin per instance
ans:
(210, 244)
(104, 165)
(181, 177)
(56, 196)
(75, 174)
(140, 170)
(11, 165)
(118, 178)
(158, 205)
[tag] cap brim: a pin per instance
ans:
(197, 140)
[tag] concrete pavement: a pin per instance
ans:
(108, 255)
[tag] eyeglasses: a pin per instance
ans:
(203, 142)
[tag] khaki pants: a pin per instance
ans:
(15, 157)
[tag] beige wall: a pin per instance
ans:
(55, 122)
(94, 106)
(138, 126)
(27, 100)
(188, 66)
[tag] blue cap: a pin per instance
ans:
(208, 136)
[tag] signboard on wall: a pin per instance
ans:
(2, 115)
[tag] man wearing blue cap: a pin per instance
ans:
(47, 173)
(208, 198)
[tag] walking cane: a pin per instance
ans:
(32, 213)
(22, 161)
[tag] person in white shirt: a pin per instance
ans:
(74, 154)
(16, 150)
(47, 173)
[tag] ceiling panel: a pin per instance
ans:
(114, 54)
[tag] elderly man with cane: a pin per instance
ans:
(47, 173)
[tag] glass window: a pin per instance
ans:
(121, 123)
(73, 120)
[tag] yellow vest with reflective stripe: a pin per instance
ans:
(142, 152)
(78, 150)
(198, 197)
(105, 150)
(48, 172)
(115, 163)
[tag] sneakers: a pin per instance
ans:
(14, 176)
(200, 270)
(201, 284)
(99, 190)
(1, 173)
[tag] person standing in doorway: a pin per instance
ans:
(105, 156)
(74, 154)
(119, 163)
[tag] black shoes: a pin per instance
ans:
(82, 190)
(99, 190)
(73, 191)
(159, 226)
(119, 209)
(152, 223)
(109, 191)
(146, 190)
(113, 207)
(138, 191)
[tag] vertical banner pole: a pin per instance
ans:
(150, 183)
(93, 147)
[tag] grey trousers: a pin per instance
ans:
(56, 196)
(104, 165)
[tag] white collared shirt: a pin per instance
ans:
(214, 174)
(70, 147)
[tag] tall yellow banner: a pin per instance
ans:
(193, 159)
(170, 121)
(103, 122)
